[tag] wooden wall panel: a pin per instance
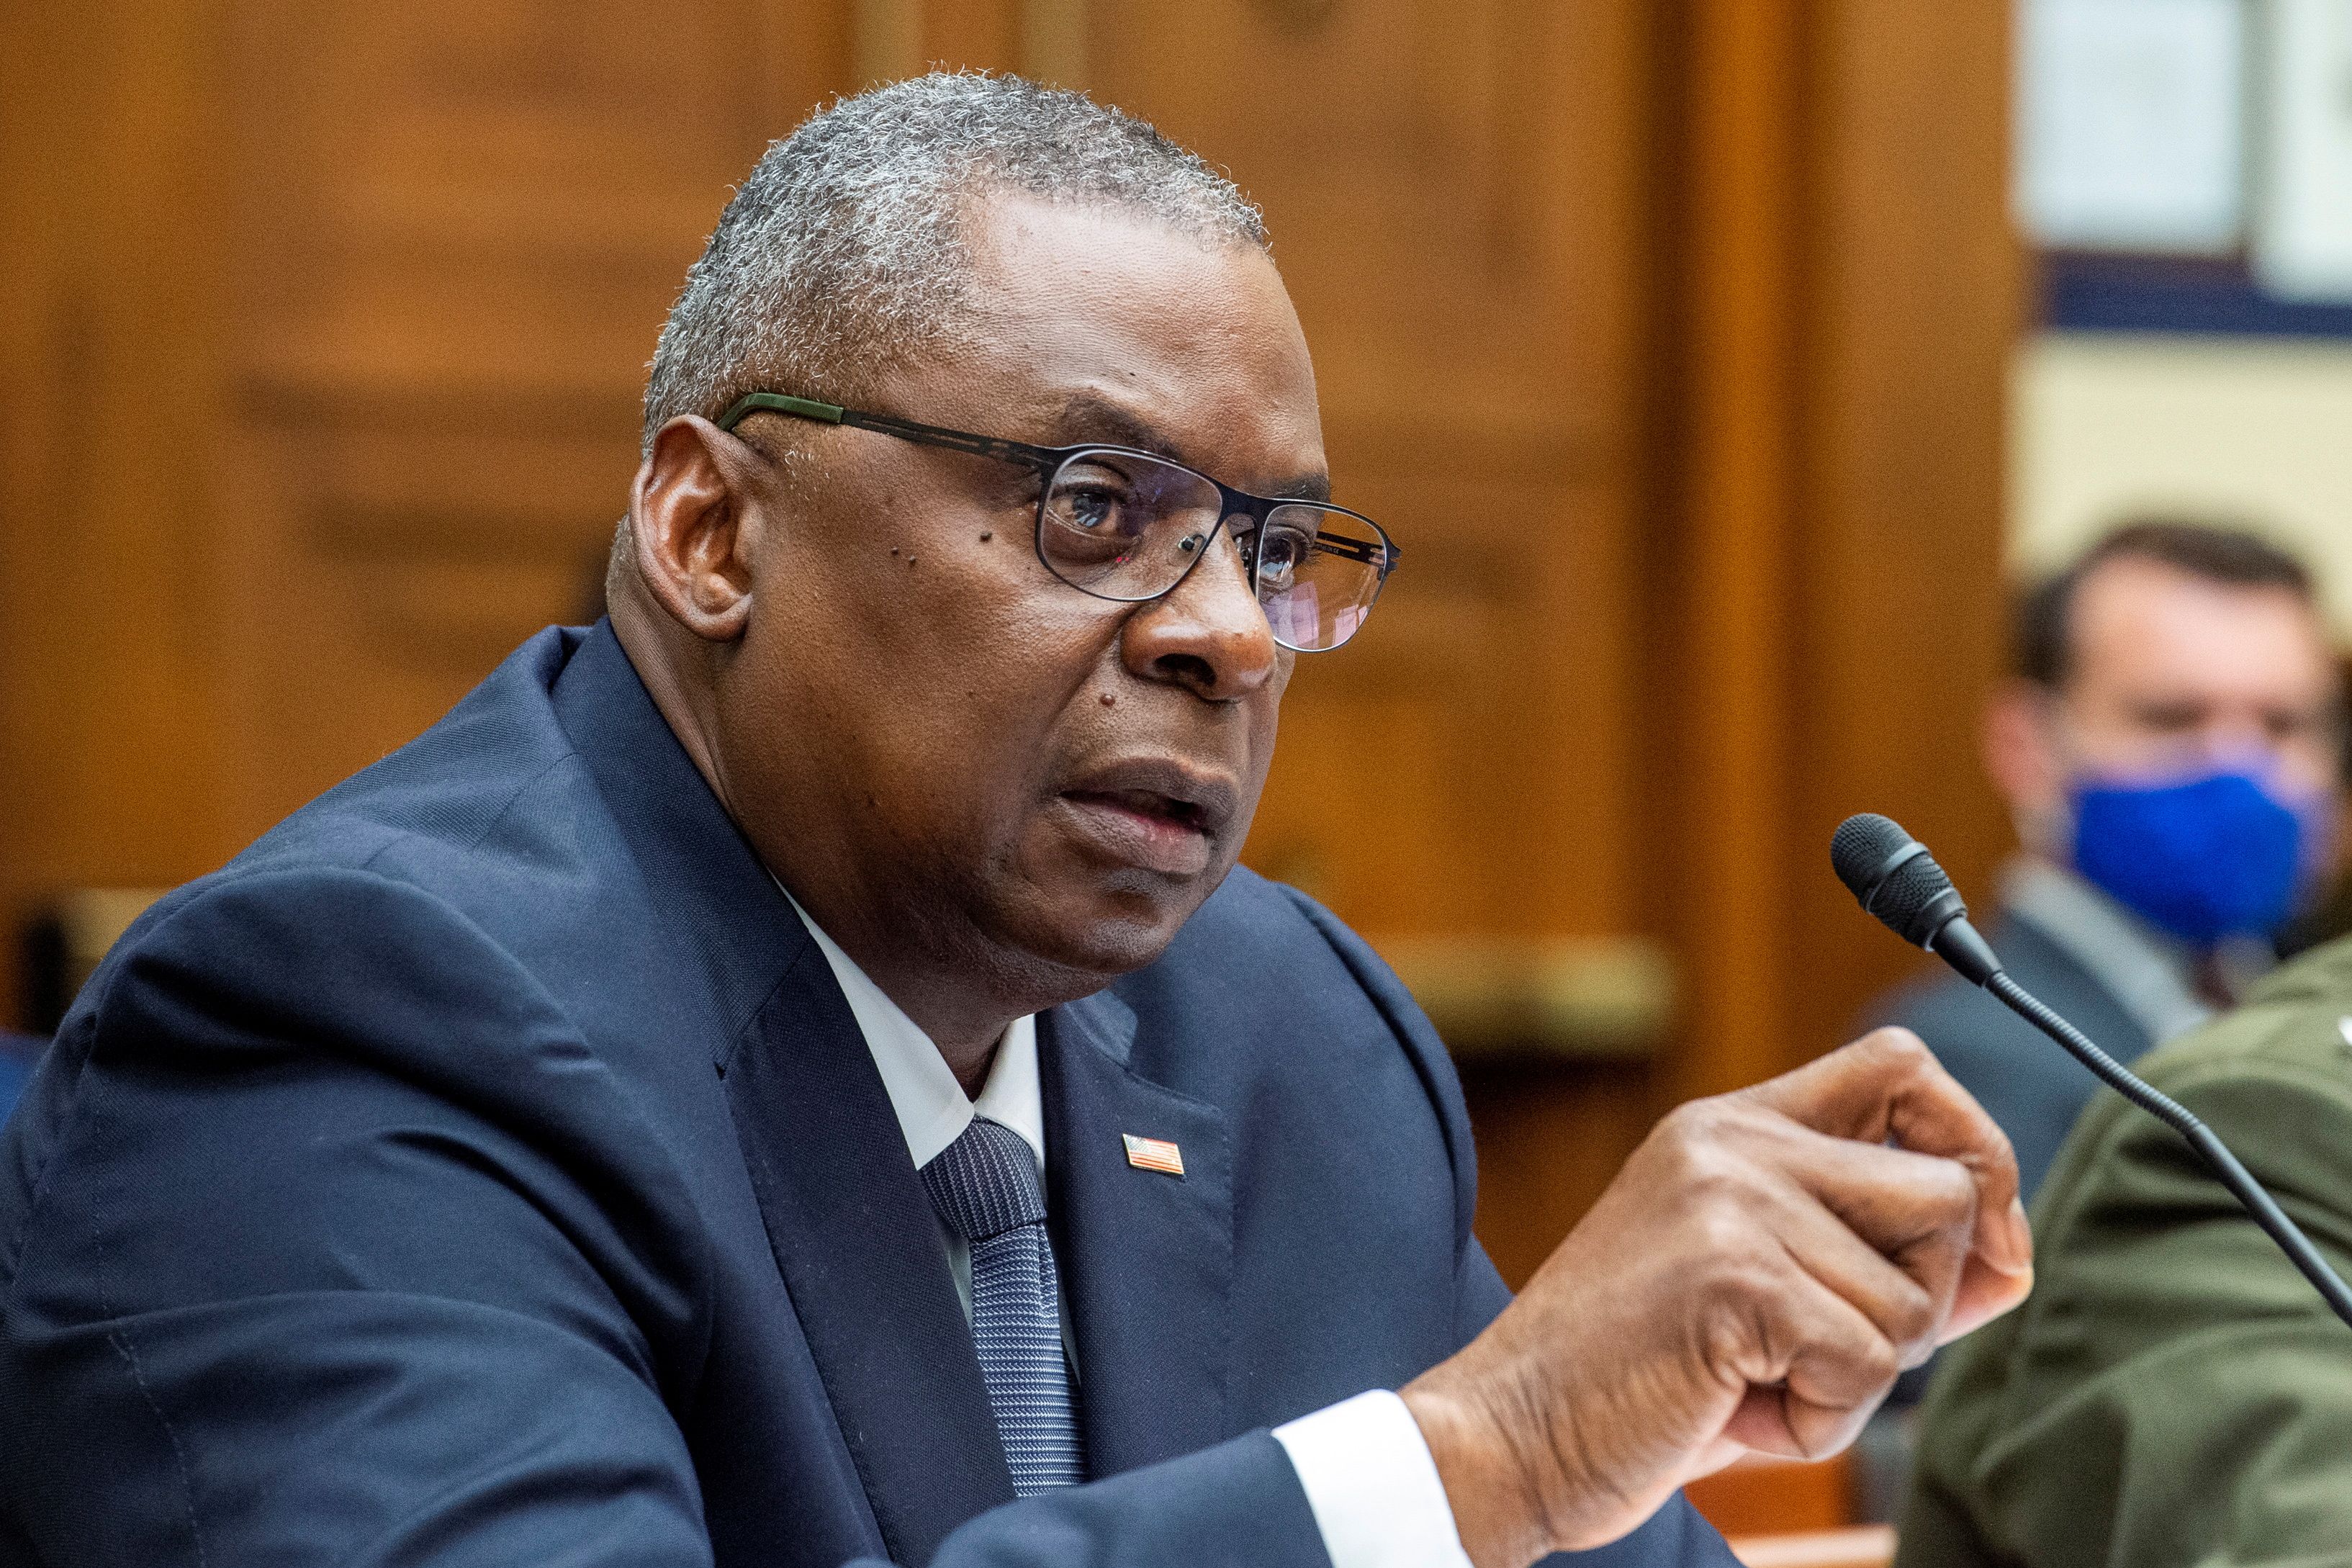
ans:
(324, 332)
(111, 341)
(1831, 352)
(1916, 301)
(1666, 336)
(1451, 189)
(459, 227)
(1727, 316)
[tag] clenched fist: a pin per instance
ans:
(1752, 1281)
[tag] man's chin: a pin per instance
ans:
(1093, 934)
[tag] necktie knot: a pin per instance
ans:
(986, 1181)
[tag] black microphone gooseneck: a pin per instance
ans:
(1898, 881)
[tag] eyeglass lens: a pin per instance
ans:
(1123, 526)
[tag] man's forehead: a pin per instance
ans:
(2140, 618)
(1096, 324)
(2141, 594)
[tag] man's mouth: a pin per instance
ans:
(1157, 815)
(1146, 804)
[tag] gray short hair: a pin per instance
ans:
(845, 249)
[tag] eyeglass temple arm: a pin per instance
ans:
(1019, 452)
(1382, 556)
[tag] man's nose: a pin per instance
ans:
(1209, 634)
(2235, 739)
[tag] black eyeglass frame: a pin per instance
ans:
(1047, 461)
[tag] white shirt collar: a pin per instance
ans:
(929, 1104)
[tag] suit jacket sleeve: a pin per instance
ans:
(342, 1252)
(1676, 1534)
(2173, 1393)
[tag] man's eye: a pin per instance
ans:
(1280, 554)
(1096, 509)
(2170, 718)
(2287, 725)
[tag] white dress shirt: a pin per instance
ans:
(1362, 1463)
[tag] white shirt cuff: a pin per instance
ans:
(1369, 1477)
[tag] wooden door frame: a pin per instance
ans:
(1836, 301)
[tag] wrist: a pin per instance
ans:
(1497, 1513)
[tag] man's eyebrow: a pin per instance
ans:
(1089, 416)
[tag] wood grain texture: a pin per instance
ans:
(111, 342)
(1828, 461)
(1668, 338)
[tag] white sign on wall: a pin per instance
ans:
(2131, 129)
(2303, 224)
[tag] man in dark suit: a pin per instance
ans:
(2168, 748)
(792, 1074)
(18, 1055)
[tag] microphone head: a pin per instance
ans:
(1896, 878)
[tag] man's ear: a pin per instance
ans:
(692, 530)
(2021, 751)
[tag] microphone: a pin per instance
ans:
(1900, 883)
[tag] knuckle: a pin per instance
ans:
(1731, 1339)
(1739, 1322)
(1877, 1362)
(1693, 1122)
(1725, 1234)
(1741, 1285)
(1953, 1209)
(1952, 1190)
(1693, 1142)
(1912, 1319)
(1721, 1188)
(1897, 1048)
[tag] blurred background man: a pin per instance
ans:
(2168, 748)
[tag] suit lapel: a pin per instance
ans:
(854, 1237)
(847, 1217)
(1147, 1258)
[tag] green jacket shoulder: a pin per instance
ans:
(2173, 1392)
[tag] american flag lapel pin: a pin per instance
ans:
(1153, 1154)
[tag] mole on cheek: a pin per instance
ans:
(1108, 701)
(986, 536)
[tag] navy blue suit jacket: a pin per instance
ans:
(483, 1168)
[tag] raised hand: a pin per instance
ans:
(1752, 1281)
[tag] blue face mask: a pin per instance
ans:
(2206, 857)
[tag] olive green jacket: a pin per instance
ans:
(2173, 1392)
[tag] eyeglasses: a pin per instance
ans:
(1130, 526)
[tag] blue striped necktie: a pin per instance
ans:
(985, 1186)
